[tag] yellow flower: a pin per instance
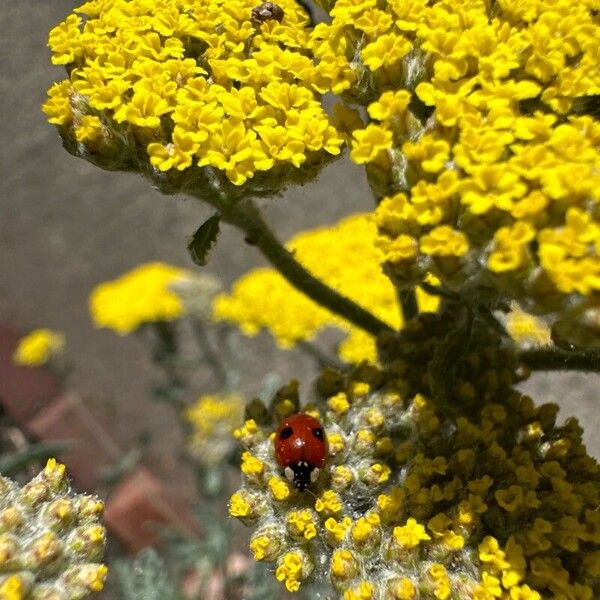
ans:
(38, 347)
(12, 588)
(265, 547)
(389, 105)
(239, 505)
(292, 568)
(431, 153)
(402, 589)
(369, 142)
(177, 155)
(301, 523)
(444, 241)
(140, 296)
(148, 66)
(366, 529)
(527, 329)
(339, 403)
(89, 129)
(343, 564)
(337, 529)
(280, 490)
(328, 503)
(58, 105)
(213, 418)
(386, 50)
(410, 535)
(364, 591)
(510, 247)
(251, 466)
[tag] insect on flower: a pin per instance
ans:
(301, 449)
(267, 11)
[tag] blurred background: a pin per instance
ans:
(65, 226)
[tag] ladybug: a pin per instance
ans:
(301, 449)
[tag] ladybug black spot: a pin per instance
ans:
(318, 433)
(286, 432)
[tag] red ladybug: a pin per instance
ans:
(301, 449)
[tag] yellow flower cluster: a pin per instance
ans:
(213, 418)
(50, 540)
(478, 141)
(496, 501)
(344, 257)
(142, 295)
(525, 329)
(38, 347)
(173, 85)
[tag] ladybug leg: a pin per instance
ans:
(289, 474)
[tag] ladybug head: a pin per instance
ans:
(301, 474)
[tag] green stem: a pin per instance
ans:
(211, 355)
(408, 303)
(553, 359)
(246, 216)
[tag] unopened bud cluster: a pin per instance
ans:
(51, 539)
(489, 499)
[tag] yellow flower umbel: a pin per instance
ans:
(201, 95)
(38, 347)
(344, 257)
(490, 499)
(51, 539)
(479, 145)
(213, 419)
(142, 295)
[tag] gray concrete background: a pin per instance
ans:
(66, 225)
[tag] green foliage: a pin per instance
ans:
(145, 578)
(203, 241)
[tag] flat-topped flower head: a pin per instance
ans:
(488, 498)
(479, 146)
(142, 295)
(199, 96)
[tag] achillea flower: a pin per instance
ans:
(344, 257)
(526, 329)
(189, 93)
(142, 295)
(51, 539)
(488, 139)
(38, 347)
(477, 505)
(213, 419)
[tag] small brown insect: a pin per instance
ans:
(267, 11)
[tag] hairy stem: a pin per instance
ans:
(553, 359)
(246, 216)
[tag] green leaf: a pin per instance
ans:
(203, 241)
(146, 578)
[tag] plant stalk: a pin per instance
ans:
(408, 303)
(247, 217)
(554, 359)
